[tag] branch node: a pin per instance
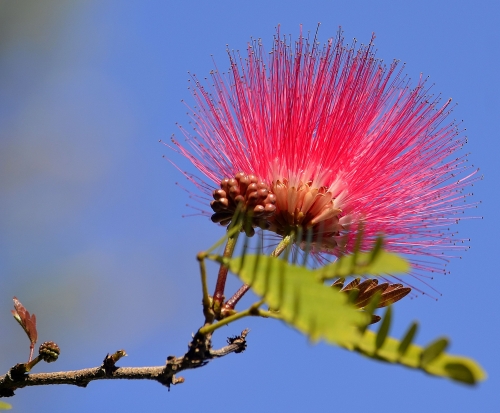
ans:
(18, 372)
(109, 362)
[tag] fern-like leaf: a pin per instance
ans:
(366, 290)
(301, 299)
(310, 306)
(431, 359)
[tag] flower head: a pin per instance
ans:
(340, 140)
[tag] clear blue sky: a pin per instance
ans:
(91, 234)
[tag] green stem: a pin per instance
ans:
(207, 302)
(269, 314)
(28, 366)
(285, 242)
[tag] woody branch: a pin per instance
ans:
(200, 353)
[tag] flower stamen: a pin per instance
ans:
(310, 209)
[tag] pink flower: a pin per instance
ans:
(340, 139)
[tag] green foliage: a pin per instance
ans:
(383, 329)
(431, 359)
(377, 262)
(5, 406)
(311, 307)
(299, 296)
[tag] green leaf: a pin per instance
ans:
(377, 262)
(433, 350)
(318, 311)
(433, 360)
(407, 339)
(383, 329)
(5, 406)
(460, 372)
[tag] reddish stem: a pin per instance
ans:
(231, 303)
(32, 349)
(222, 276)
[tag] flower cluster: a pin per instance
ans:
(253, 198)
(340, 140)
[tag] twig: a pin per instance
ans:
(208, 312)
(200, 353)
(218, 296)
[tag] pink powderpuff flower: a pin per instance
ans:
(341, 140)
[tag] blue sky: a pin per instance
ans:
(91, 234)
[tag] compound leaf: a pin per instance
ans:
(302, 300)
(307, 304)
(432, 359)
